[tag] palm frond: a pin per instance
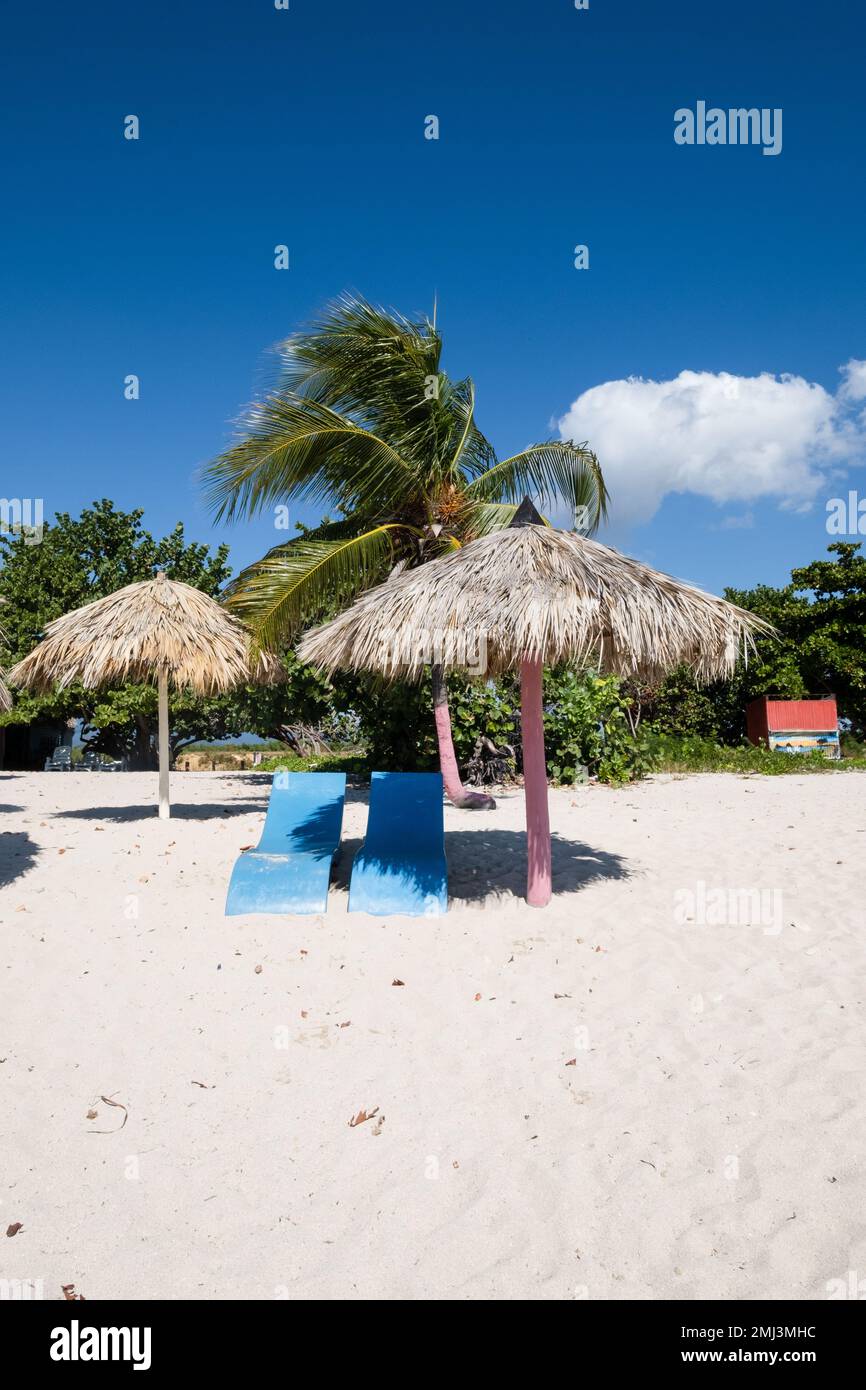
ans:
(299, 449)
(557, 470)
(370, 363)
(484, 517)
(297, 581)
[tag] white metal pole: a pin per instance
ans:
(164, 811)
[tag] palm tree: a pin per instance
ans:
(364, 422)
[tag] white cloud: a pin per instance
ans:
(724, 437)
(853, 386)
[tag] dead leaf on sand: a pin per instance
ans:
(361, 1116)
(258, 970)
(14, 1228)
(244, 848)
(91, 1115)
(572, 1062)
(398, 982)
(116, 1105)
(201, 1085)
(70, 1295)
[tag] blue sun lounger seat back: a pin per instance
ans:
(400, 867)
(290, 868)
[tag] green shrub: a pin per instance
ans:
(353, 764)
(586, 725)
(671, 753)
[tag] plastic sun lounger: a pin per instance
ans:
(401, 867)
(290, 868)
(60, 760)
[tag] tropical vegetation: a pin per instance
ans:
(596, 726)
(364, 422)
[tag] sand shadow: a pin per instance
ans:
(17, 854)
(247, 777)
(179, 811)
(486, 862)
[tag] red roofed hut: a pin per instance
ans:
(795, 726)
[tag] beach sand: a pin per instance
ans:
(602, 1099)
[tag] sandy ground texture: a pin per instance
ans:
(651, 1089)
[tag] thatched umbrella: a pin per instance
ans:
(524, 598)
(157, 628)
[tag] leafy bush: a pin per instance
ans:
(586, 725)
(489, 710)
(670, 753)
(342, 728)
(353, 764)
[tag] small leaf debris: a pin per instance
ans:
(116, 1105)
(362, 1116)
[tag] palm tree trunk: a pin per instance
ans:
(164, 807)
(454, 788)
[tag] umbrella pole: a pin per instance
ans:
(538, 877)
(164, 811)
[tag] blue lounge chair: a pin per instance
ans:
(290, 868)
(401, 867)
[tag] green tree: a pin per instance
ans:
(829, 629)
(77, 561)
(820, 617)
(364, 421)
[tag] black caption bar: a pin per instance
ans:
(154, 1338)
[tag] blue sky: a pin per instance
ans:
(306, 127)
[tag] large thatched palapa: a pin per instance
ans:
(524, 598)
(535, 592)
(156, 629)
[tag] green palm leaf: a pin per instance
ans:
(553, 471)
(364, 421)
(297, 582)
(300, 449)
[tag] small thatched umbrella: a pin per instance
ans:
(158, 627)
(524, 598)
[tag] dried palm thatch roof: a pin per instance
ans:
(535, 592)
(133, 634)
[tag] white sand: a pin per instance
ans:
(707, 1142)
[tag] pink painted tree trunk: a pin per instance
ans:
(454, 788)
(539, 884)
